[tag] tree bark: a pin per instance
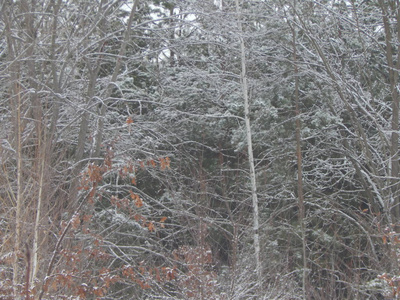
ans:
(300, 193)
(393, 71)
(19, 196)
(16, 107)
(243, 77)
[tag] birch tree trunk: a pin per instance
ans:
(243, 77)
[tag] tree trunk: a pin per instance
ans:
(300, 193)
(243, 77)
(41, 157)
(393, 70)
(19, 196)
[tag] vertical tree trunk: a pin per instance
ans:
(19, 193)
(243, 76)
(393, 66)
(55, 77)
(300, 193)
(41, 157)
(16, 107)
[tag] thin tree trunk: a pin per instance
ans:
(41, 174)
(37, 112)
(16, 106)
(299, 168)
(19, 197)
(393, 70)
(243, 76)
(56, 83)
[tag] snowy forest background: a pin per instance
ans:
(183, 149)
